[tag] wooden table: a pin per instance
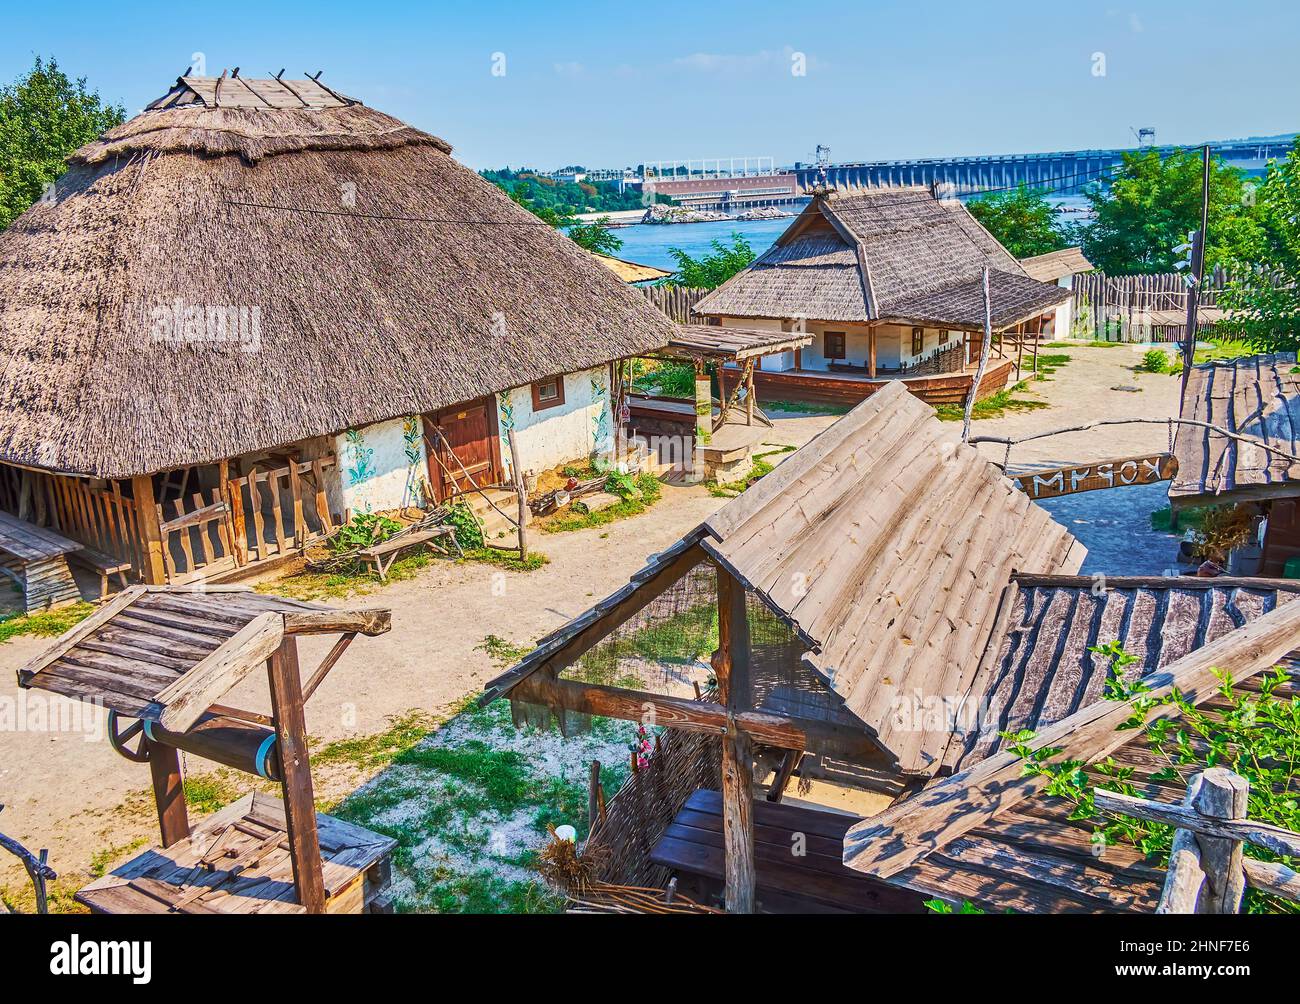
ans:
(815, 882)
(37, 559)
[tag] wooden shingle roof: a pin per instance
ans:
(1056, 264)
(1255, 396)
(887, 546)
(897, 254)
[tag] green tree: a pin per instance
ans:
(596, 236)
(1152, 205)
(1264, 294)
(44, 117)
(714, 269)
(1023, 221)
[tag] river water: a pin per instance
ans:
(648, 243)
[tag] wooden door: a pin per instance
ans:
(467, 451)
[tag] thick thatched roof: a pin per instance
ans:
(887, 254)
(330, 266)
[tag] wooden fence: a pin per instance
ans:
(676, 301)
(1138, 308)
(1207, 871)
(91, 511)
(261, 515)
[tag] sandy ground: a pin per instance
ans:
(67, 790)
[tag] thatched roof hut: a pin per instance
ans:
(889, 254)
(249, 263)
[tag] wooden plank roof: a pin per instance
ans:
(1056, 264)
(708, 341)
(887, 546)
(166, 654)
(988, 834)
(1256, 396)
(249, 92)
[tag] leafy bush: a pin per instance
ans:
(365, 529)
(469, 534)
(1157, 361)
(1256, 736)
(671, 379)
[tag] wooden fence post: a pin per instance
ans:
(1205, 873)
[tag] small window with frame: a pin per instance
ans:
(833, 344)
(548, 393)
(918, 341)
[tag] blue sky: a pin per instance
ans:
(607, 84)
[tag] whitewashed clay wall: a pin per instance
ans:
(583, 425)
(379, 467)
(893, 344)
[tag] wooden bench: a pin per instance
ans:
(815, 882)
(381, 556)
(105, 564)
(37, 559)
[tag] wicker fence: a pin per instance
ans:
(1138, 308)
(675, 301)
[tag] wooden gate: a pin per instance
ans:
(463, 447)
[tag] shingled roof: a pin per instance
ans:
(886, 547)
(1254, 396)
(252, 262)
(886, 254)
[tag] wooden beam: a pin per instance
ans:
(698, 716)
(168, 792)
(154, 571)
(736, 689)
(784, 771)
(899, 837)
(372, 621)
(299, 803)
(184, 701)
(327, 664)
(1277, 839)
(871, 351)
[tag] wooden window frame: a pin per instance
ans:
(843, 345)
(918, 341)
(539, 404)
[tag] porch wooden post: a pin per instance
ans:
(734, 686)
(154, 571)
(168, 792)
(299, 803)
(871, 351)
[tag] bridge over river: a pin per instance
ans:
(1063, 173)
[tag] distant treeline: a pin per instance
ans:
(564, 197)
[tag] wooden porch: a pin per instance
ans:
(179, 526)
(843, 388)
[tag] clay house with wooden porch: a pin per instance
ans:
(1256, 398)
(888, 282)
(260, 307)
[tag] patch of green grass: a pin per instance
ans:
(206, 793)
(368, 752)
(650, 493)
(59, 896)
(47, 624)
(101, 859)
(445, 891)
(1224, 348)
(669, 379)
(807, 408)
(508, 560)
(993, 406)
(502, 774)
(356, 581)
(1097, 343)
(1049, 363)
(502, 653)
(1158, 361)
